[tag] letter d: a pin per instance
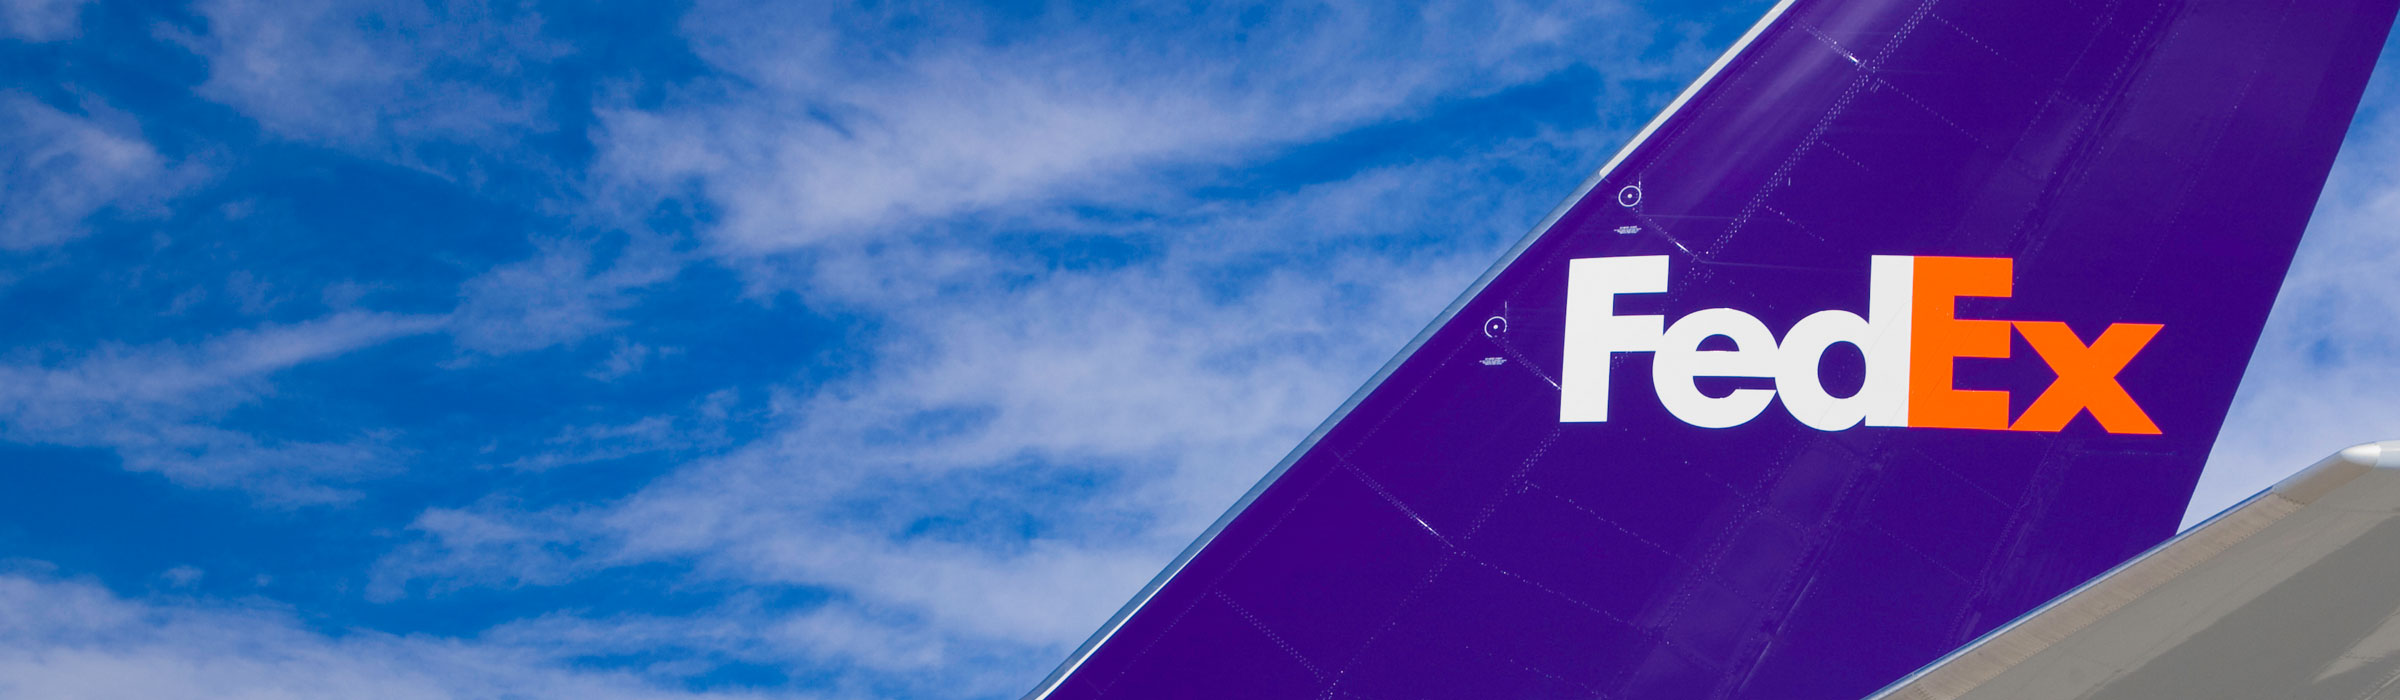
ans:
(1882, 400)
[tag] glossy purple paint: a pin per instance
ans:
(1447, 537)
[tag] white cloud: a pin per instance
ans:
(556, 297)
(40, 20)
(66, 640)
(628, 357)
(182, 576)
(386, 77)
(156, 405)
(706, 424)
(881, 645)
(59, 169)
(493, 547)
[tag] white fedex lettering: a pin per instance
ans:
(1594, 333)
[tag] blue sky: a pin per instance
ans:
(661, 350)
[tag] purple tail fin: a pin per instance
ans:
(1905, 318)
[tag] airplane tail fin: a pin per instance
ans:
(1906, 317)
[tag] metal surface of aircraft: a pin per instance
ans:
(1907, 318)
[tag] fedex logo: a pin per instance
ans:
(1910, 337)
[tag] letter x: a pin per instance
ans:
(2087, 377)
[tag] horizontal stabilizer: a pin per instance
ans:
(2293, 594)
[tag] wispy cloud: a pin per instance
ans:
(58, 169)
(494, 546)
(157, 406)
(708, 424)
(559, 296)
(402, 80)
(40, 20)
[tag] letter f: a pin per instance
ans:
(1594, 331)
